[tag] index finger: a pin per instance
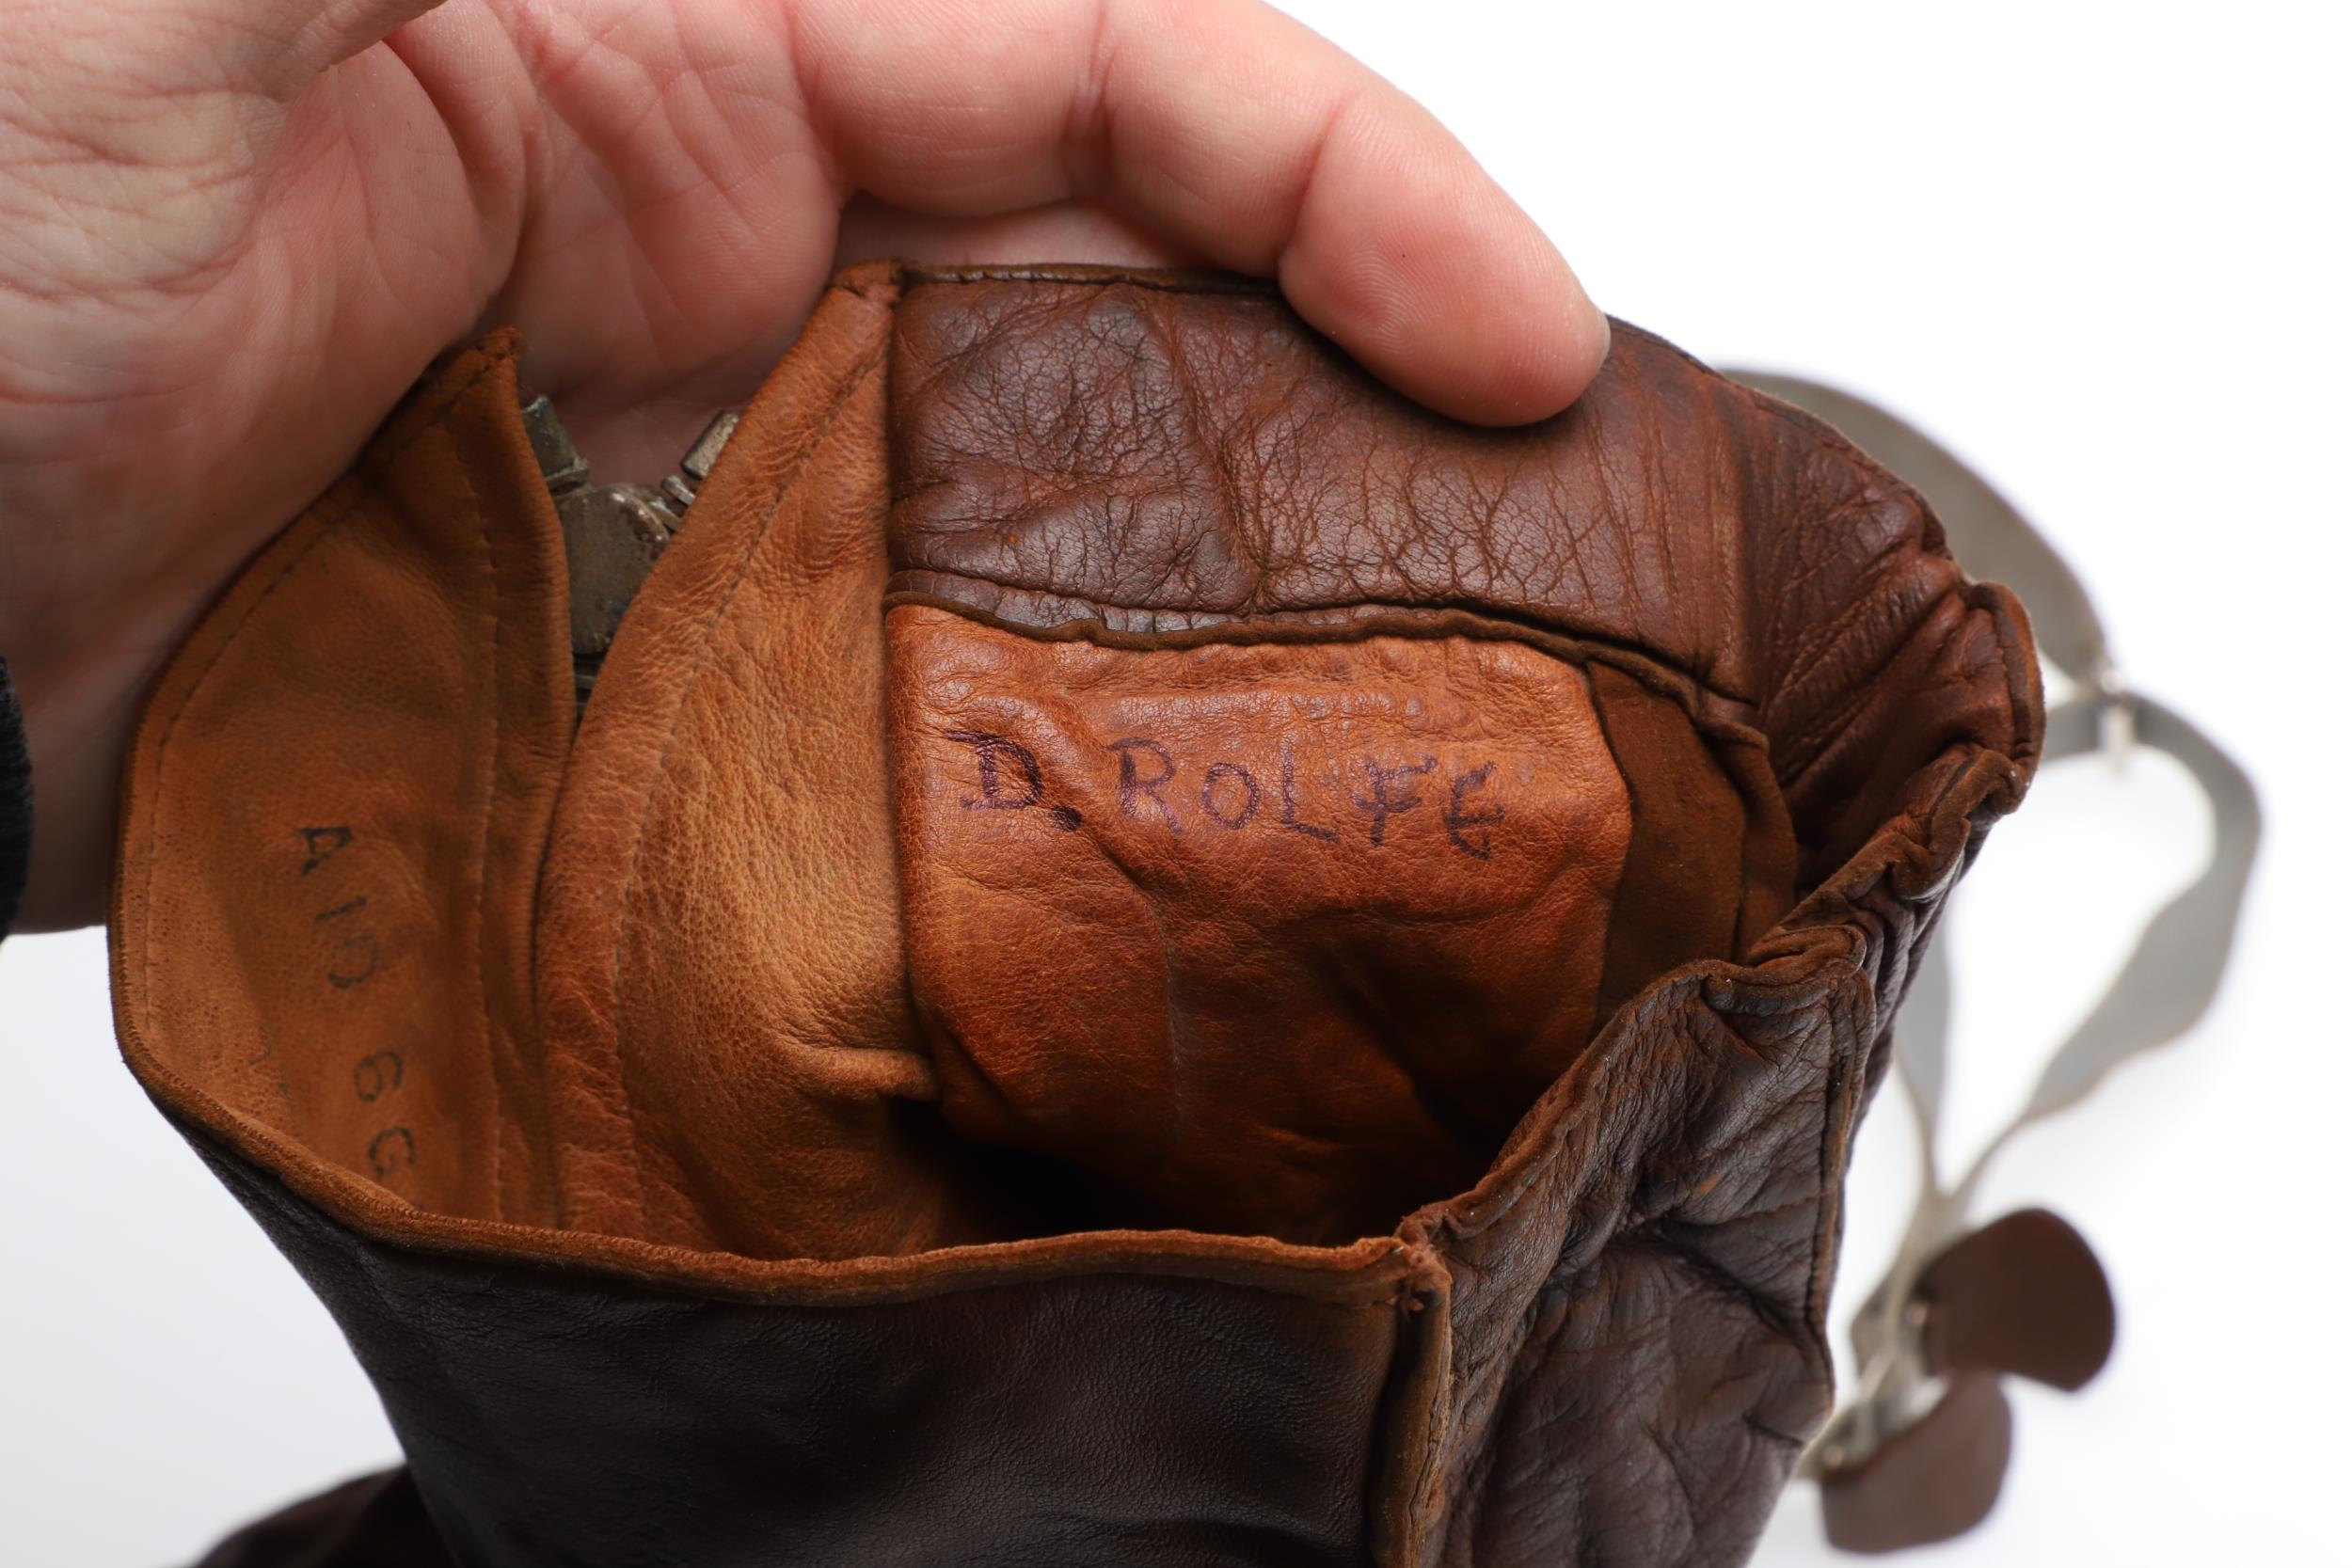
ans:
(1236, 132)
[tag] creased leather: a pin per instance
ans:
(824, 1138)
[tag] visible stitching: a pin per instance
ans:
(1818, 434)
(325, 515)
(851, 383)
(2022, 740)
(1874, 481)
(493, 1048)
(1833, 1091)
(1839, 717)
(1244, 626)
(509, 1247)
(1204, 284)
(1616, 887)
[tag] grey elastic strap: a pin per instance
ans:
(2174, 972)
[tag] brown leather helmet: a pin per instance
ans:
(1143, 954)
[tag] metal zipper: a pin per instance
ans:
(613, 534)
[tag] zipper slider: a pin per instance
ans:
(701, 458)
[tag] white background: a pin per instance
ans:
(2100, 250)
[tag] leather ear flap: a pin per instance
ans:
(1936, 1479)
(2023, 1294)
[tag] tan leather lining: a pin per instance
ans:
(325, 987)
(736, 1068)
(1282, 937)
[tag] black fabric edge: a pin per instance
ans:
(16, 803)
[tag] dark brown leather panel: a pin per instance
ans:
(1689, 1162)
(1936, 1479)
(1650, 1281)
(2023, 1294)
(569, 1419)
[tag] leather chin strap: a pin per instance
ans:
(1916, 1454)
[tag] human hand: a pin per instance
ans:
(233, 232)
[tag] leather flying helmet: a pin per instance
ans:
(1141, 953)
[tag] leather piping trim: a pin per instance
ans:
(1171, 280)
(1378, 1273)
(1425, 623)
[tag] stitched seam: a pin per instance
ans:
(1248, 626)
(327, 515)
(491, 1045)
(1208, 285)
(2021, 742)
(1833, 1089)
(1711, 1274)
(850, 386)
(1822, 437)
(1477, 1475)
(501, 1253)
(1507, 1201)
(1608, 931)
(1985, 602)
(1818, 436)
(1874, 481)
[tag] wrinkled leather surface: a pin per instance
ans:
(711, 1167)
